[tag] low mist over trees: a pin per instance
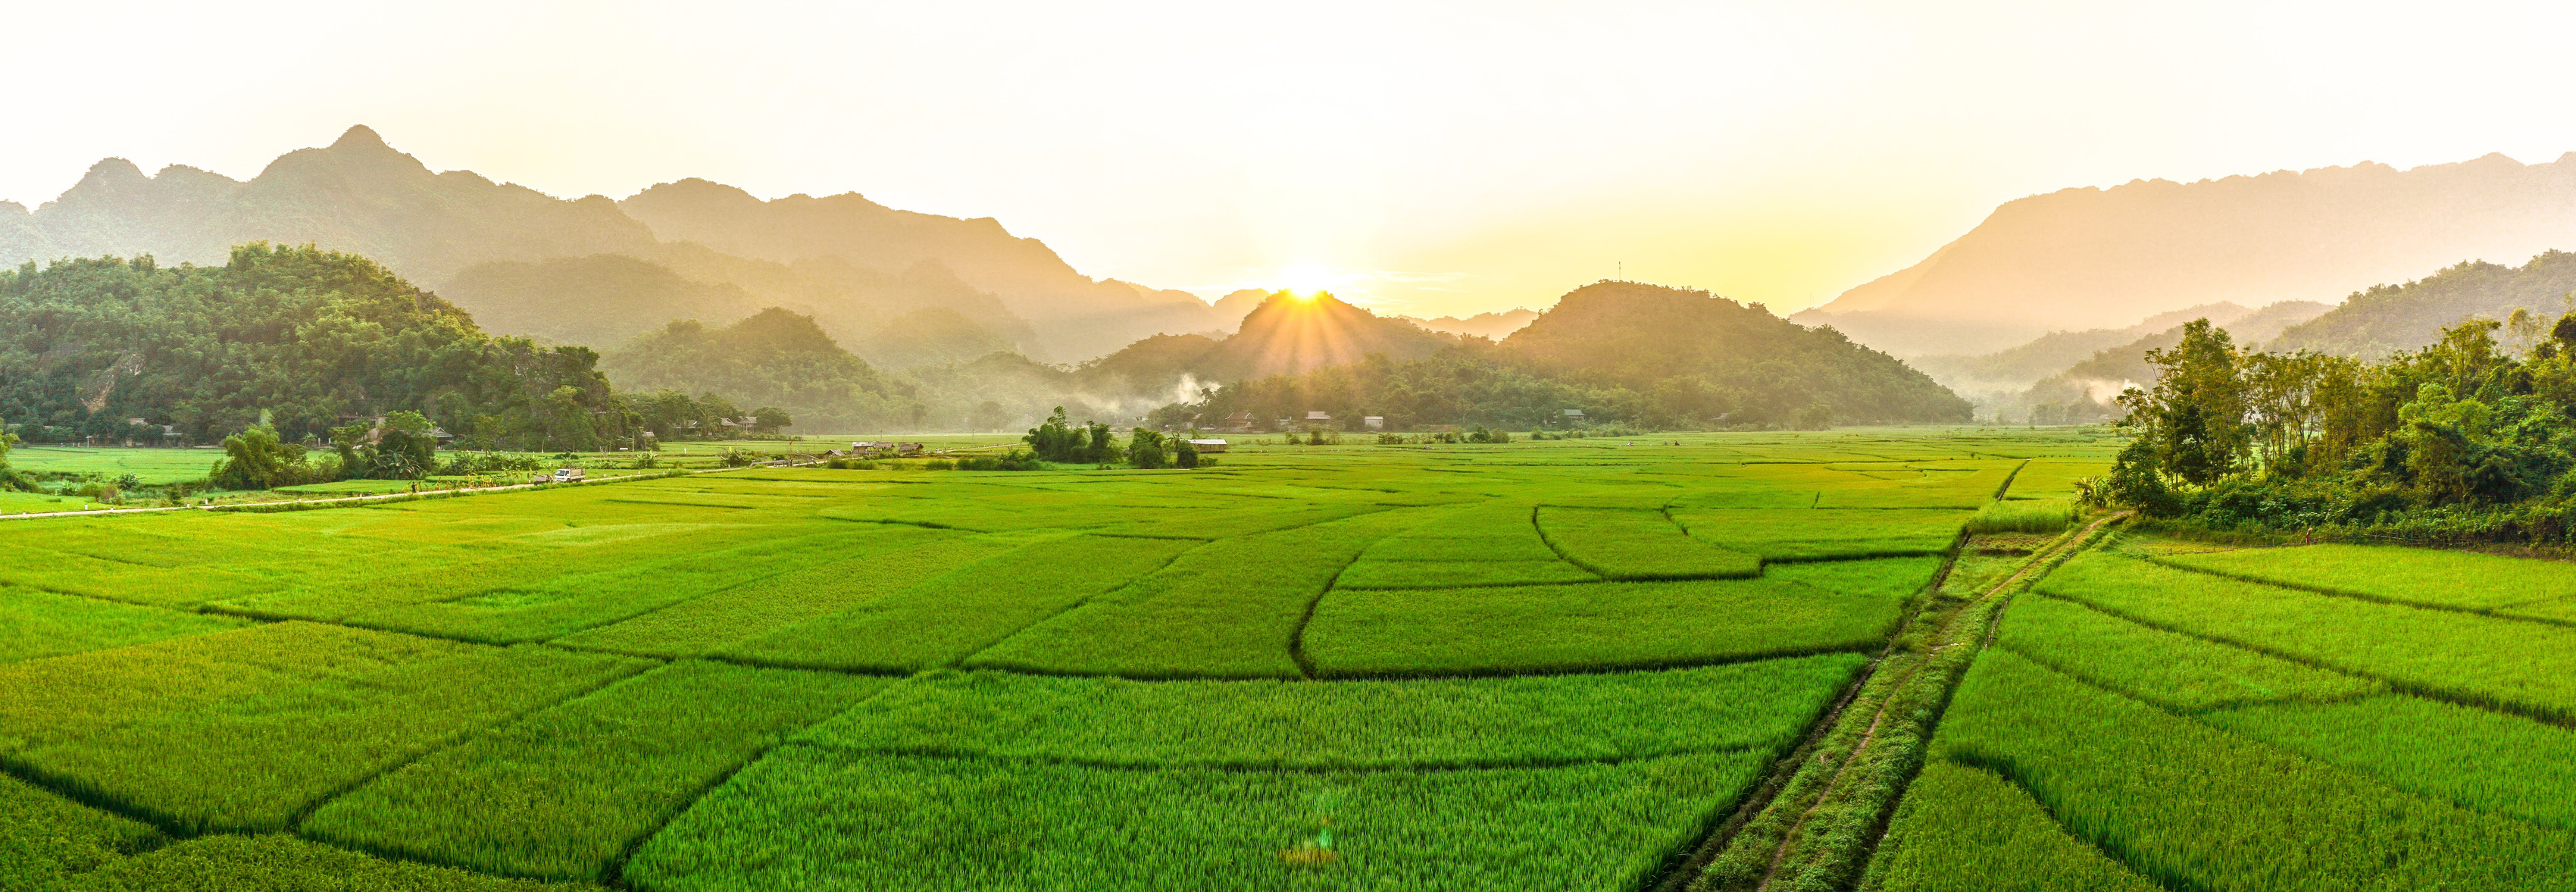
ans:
(774, 358)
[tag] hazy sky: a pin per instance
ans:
(1429, 158)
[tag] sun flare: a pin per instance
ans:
(1306, 280)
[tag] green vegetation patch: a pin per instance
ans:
(1620, 543)
(277, 862)
(2513, 664)
(704, 625)
(2025, 516)
(43, 624)
(2053, 478)
(1963, 829)
(1598, 625)
(240, 731)
(1480, 722)
(810, 818)
(564, 792)
(964, 611)
(2493, 763)
(2196, 807)
(2426, 576)
(1959, 485)
(1229, 609)
(44, 837)
(2165, 668)
(1894, 578)
(1798, 534)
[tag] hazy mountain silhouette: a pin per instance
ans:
(2017, 368)
(848, 262)
(1231, 308)
(1074, 315)
(2093, 258)
(602, 299)
(2389, 318)
(2084, 391)
(930, 336)
(1495, 326)
(770, 358)
(358, 195)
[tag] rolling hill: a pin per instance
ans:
(2096, 258)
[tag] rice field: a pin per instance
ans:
(1578, 665)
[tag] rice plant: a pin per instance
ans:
(2025, 516)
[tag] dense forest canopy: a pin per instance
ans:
(2465, 437)
(2388, 318)
(304, 337)
(1695, 359)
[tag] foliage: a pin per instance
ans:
(306, 336)
(1056, 441)
(254, 459)
(1148, 449)
(564, 792)
(2461, 437)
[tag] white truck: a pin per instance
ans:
(567, 475)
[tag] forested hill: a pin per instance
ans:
(1706, 357)
(303, 335)
(1618, 351)
(774, 358)
(2388, 319)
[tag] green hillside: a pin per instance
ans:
(302, 336)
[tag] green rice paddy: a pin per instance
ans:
(1573, 665)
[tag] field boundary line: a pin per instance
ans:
(2486, 612)
(295, 824)
(960, 662)
(2000, 594)
(615, 876)
(1297, 636)
(2562, 717)
(2004, 770)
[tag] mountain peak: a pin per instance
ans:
(360, 136)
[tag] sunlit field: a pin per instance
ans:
(1596, 664)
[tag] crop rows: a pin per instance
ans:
(1336, 668)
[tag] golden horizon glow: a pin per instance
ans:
(1426, 159)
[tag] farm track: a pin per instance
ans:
(1840, 808)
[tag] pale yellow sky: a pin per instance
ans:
(1426, 158)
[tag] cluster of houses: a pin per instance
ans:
(878, 449)
(1244, 423)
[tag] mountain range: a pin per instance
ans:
(855, 265)
(2092, 258)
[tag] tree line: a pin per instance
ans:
(2471, 436)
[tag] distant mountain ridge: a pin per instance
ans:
(2093, 258)
(2386, 319)
(847, 261)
